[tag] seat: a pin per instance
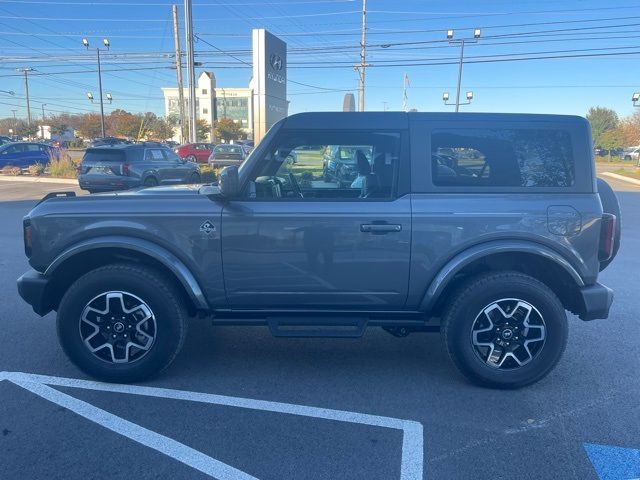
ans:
(364, 170)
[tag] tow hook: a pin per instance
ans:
(397, 331)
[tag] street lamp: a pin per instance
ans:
(476, 36)
(445, 98)
(109, 97)
(106, 44)
(634, 98)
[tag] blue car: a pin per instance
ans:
(24, 154)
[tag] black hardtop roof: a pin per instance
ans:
(340, 120)
(128, 146)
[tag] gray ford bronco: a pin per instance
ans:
(485, 227)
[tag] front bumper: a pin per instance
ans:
(595, 302)
(32, 287)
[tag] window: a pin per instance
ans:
(13, 149)
(171, 155)
(502, 158)
(205, 111)
(329, 165)
(204, 91)
(31, 147)
(154, 155)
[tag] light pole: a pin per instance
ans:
(461, 42)
(445, 99)
(106, 43)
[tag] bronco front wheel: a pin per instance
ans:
(122, 323)
(505, 329)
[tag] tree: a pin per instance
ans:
(125, 124)
(227, 129)
(630, 129)
(203, 129)
(58, 125)
(24, 130)
(602, 120)
(162, 129)
(90, 126)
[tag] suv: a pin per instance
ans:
(485, 227)
(120, 167)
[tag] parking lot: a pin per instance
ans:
(240, 404)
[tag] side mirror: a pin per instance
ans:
(228, 182)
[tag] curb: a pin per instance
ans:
(18, 178)
(621, 177)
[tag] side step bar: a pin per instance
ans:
(334, 327)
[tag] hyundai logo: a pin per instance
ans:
(276, 61)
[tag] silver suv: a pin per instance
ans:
(484, 227)
(122, 166)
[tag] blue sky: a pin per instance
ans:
(46, 35)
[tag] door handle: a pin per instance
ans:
(380, 227)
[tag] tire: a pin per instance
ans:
(128, 285)
(191, 158)
(150, 182)
(610, 205)
(194, 178)
(627, 157)
(466, 316)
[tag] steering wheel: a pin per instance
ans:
(296, 186)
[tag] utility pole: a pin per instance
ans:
(26, 71)
(191, 74)
(363, 58)
(176, 41)
(42, 126)
(404, 93)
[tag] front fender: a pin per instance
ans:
(158, 253)
(461, 260)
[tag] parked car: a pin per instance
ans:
(339, 164)
(226, 154)
(195, 152)
(106, 141)
(631, 153)
(23, 154)
(4, 140)
(490, 254)
(121, 167)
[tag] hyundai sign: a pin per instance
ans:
(269, 81)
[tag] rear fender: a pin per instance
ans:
(461, 260)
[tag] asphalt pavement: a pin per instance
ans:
(247, 405)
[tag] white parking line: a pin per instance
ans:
(412, 439)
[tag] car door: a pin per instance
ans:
(293, 240)
(10, 156)
(164, 169)
(180, 169)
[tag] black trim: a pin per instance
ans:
(595, 302)
(32, 287)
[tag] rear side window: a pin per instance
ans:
(502, 158)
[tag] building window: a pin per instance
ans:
(204, 91)
(205, 111)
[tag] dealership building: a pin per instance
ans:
(213, 103)
(255, 108)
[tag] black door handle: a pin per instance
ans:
(380, 227)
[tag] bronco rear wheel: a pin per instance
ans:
(122, 323)
(505, 329)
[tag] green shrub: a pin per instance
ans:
(208, 174)
(64, 168)
(36, 169)
(9, 170)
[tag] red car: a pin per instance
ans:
(195, 152)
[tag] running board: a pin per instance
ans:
(327, 327)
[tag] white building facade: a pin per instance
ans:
(213, 103)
